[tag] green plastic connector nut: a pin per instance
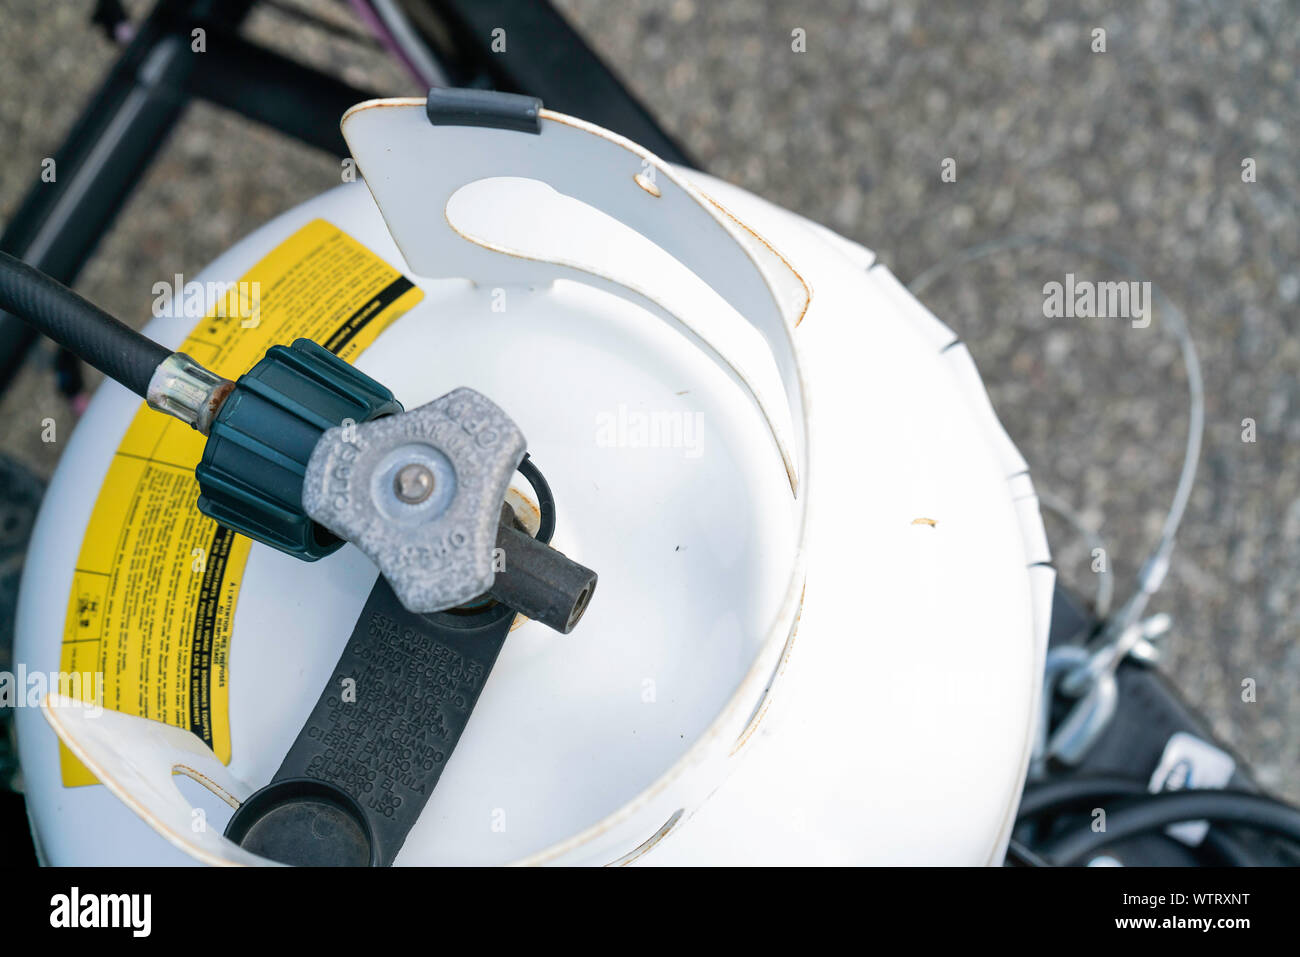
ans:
(251, 474)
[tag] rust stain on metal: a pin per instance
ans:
(216, 400)
(774, 251)
(526, 510)
(530, 517)
(647, 184)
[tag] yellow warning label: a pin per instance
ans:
(154, 591)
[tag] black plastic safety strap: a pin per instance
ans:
(375, 744)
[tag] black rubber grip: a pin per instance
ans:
(503, 111)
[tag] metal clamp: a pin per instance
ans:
(1089, 677)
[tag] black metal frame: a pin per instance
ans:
(117, 137)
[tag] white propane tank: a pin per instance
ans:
(824, 586)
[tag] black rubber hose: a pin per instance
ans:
(79, 326)
(1056, 797)
(1173, 807)
(1071, 792)
(1022, 855)
(1228, 849)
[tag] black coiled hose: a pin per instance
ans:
(79, 326)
